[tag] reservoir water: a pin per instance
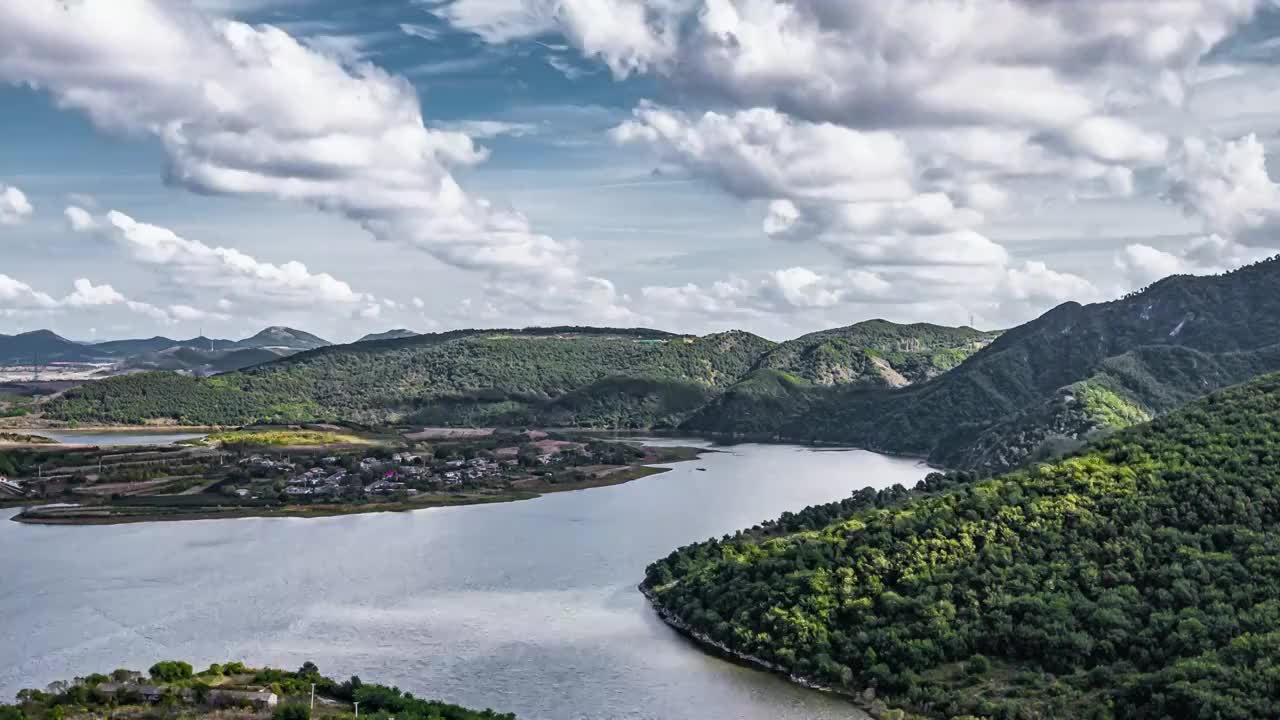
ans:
(104, 438)
(526, 607)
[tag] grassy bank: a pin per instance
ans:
(282, 438)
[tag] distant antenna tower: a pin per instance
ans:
(971, 320)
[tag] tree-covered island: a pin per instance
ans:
(173, 689)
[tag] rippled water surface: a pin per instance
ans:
(526, 607)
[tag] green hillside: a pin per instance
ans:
(1177, 340)
(876, 353)
(798, 374)
(568, 376)
(465, 377)
(1136, 579)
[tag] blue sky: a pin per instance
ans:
(776, 165)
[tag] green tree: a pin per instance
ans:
(171, 671)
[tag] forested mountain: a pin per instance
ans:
(1034, 391)
(792, 377)
(1047, 383)
(877, 353)
(1136, 579)
(563, 376)
(578, 376)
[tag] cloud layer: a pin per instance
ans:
(250, 110)
(18, 299)
(899, 158)
(238, 278)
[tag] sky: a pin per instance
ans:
(780, 166)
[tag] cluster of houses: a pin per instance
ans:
(217, 697)
(316, 482)
(460, 471)
(11, 486)
(376, 476)
(263, 464)
(389, 477)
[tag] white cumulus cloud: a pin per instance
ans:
(1226, 184)
(234, 275)
(14, 205)
(17, 298)
(250, 110)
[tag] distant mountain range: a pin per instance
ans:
(566, 376)
(960, 397)
(199, 355)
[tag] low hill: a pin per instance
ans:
(136, 346)
(132, 348)
(44, 346)
(462, 377)
(1151, 351)
(794, 376)
(284, 338)
(877, 353)
(197, 361)
(1135, 579)
(397, 334)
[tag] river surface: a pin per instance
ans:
(105, 438)
(527, 607)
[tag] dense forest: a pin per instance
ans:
(875, 353)
(1137, 578)
(1154, 350)
(463, 378)
(570, 376)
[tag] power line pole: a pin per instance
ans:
(313, 701)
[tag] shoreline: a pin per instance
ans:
(61, 426)
(865, 701)
(724, 438)
(94, 514)
(731, 439)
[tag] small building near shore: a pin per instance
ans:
(257, 699)
(125, 691)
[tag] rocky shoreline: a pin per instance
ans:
(865, 701)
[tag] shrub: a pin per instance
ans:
(291, 712)
(171, 671)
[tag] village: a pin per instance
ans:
(294, 471)
(373, 474)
